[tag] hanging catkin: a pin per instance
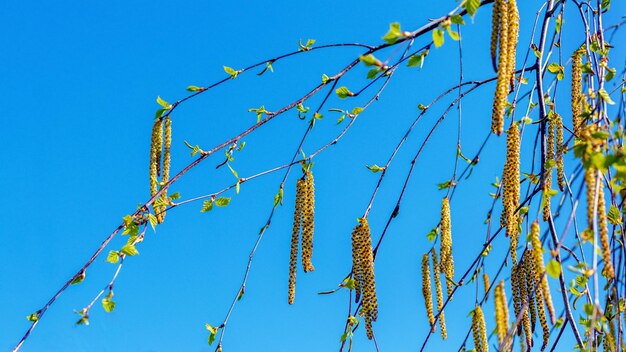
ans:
(479, 330)
(486, 283)
(512, 36)
(308, 222)
(427, 291)
(502, 84)
(547, 176)
(502, 313)
(165, 177)
(577, 88)
(439, 292)
(155, 148)
(540, 269)
(603, 231)
(363, 271)
(560, 150)
(495, 29)
(529, 275)
(447, 262)
(526, 326)
(511, 188)
(295, 234)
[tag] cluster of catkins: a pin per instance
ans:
(504, 35)
(444, 266)
(363, 274)
(303, 222)
(160, 159)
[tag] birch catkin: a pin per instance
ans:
(295, 234)
(502, 312)
(540, 269)
(547, 176)
(363, 271)
(479, 330)
(577, 88)
(512, 36)
(447, 262)
(155, 148)
(308, 222)
(502, 84)
(495, 29)
(603, 231)
(439, 292)
(165, 177)
(511, 188)
(427, 292)
(560, 150)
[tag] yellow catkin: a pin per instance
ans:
(609, 344)
(529, 274)
(167, 159)
(363, 272)
(486, 283)
(439, 291)
(155, 147)
(511, 188)
(540, 269)
(447, 262)
(502, 84)
(603, 231)
(479, 330)
(547, 177)
(308, 222)
(577, 88)
(295, 234)
(495, 28)
(560, 150)
(526, 326)
(590, 182)
(517, 291)
(513, 34)
(427, 292)
(541, 313)
(502, 312)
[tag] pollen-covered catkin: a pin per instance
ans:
(603, 231)
(527, 265)
(540, 269)
(363, 273)
(577, 88)
(486, 283)
(357, 274)
(165, 177)
(560, 150)
(155, 146)
(547, 177)
(308, 222)
(447, 262)
(511, 187)
(295, 236)
(502, 84)
(479, 330)
(427, 292)
(502, 312)
(495, 29)
(525, 316)
(541, 313)
(517, 291)
(439, 292)
(590, 182)
(513, 34)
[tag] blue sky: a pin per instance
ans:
(79, 87)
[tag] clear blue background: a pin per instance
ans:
(79, 82)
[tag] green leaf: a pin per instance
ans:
(344, 92)
(307, 46)
(278, 198)
(107, 303)
(438, 37)
(163, 103)
(340, 119)
(371, 74)
(471, 6)
(349, 283)
(194, 89)
(610, 73)
(129, 250)
(393, 34)
(159, 113)
(222, 201)
(33, 317)
(375, 168)
(553, 268)
(453, 34)
(113, 257)
(153, 221)
(432, 234)
(78, 278)
(417, 59)
(370, 60)
(83, 321)
(457, 19)
(357, 110)
(605, 96)
(559, 23)
(559, 322)
(325, 79)
(207, 206)
(555, 68)
(213, 331)
(614, 217)
(233, 74)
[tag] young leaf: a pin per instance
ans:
(393, 34)
(375, 168)
(113, 257)
(194, 89)
(438, 37)
(370, 60)
(207, 206)
(553, 268)
(605, 96)
(222, 201)
(33, 317)
(78, 278)
(163, 103)
(233, 74)
(344, 92)
(471, 6)
(129, 250)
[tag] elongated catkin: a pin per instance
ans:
(560, 150)
(511, 188)
(512, 37)
(427, 292)
(363, 273)
(439, 292)
(577, 88)
(165, 177)
(447, 262)
(603, 231)
(295, 236)
(308, 222)
(540, 269)
(547, 176)
(495, 29)
(479, 330)
(502, 84)
(502, 312)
